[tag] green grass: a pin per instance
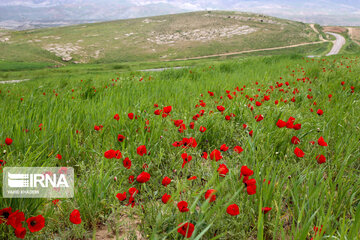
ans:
(301, 193)
(133, 40)
(14, 70)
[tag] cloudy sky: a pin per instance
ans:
(325, 12)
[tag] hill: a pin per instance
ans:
(166, 37)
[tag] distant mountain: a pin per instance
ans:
(22, 14)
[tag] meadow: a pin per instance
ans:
(263, 147)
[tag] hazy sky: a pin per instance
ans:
(327, 12)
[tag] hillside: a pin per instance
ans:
(165, 37)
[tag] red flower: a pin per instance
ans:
(186, 229)
(297, 126)
(265, 210)
(215, 155)
(220, 108)
(183, 206)
(192, 125)
(20, 232)
(295, 140)
(224, 148)
(204, 155)
(121, 196)
(250, 186)
(211, 93)
(299, 153)
(186, 158)
(141, 150)
(222, 170)
(75, 217)
(157, 111)
(8, 141)
(2, 163)
(117, 117)
(290, 122)
(35, 224)
(127, 163)
(238, 149)
(321, 159)
(251, 133)
(131, 116)
(131, 179)
(259, 117)
(192, 178)
(15, 219)
(210, 194)
(166, 181)
(246, 172)
(143, 177)
(322, 142)
(165, 198)
(167, 109)
(120, 138)
(58, 156)
(110, 154)
(320, 112)
(233, 210)
(4, 214)
(202, 129)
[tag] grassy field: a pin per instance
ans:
(43, 70)
(303, 195)
(155, 38)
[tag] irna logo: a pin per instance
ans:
(21, 182)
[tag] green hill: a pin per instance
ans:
(165, 37)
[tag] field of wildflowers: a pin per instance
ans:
(261, 148)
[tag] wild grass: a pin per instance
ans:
(301, 192)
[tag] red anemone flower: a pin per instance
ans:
(215, 155)
(20, 232)
(321, 159)
(186, 229)
(15, 219)
(222, 170)
(165, 198)
(141, 150)
(166, 181)
(322, 142)
(183, 206)
(143, 177)
(238, 149)
(210, 194)
(8, 141)
(299, 153)
(265, 210)
(127, 163)
(35, 224)
(121, 196)
(75, 217)
(233, 210)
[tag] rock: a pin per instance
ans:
(67, 59)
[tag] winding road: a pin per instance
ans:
(338, 44)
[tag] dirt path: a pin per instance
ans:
(247, 51)
(14, 81)
(315, 30)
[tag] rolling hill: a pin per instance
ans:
(166, 37)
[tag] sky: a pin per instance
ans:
(325, 12)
